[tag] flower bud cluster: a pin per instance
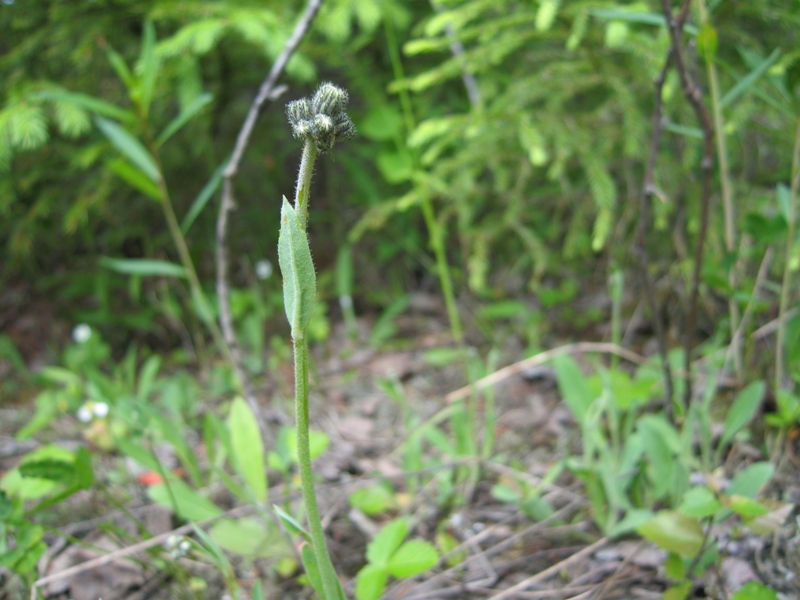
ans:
(322, 119)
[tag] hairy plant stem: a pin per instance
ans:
(780, 368)
(304, 182)
(330, 582)
(327, 572)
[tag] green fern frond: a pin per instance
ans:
(70, 119)
(27, 126)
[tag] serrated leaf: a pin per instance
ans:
(143, 266)
(413, 558)
(370, 582)
(248, 448)
(674, 532)
(129, 146)
(297, 267)
(388, 539)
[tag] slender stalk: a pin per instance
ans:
(180, 241)
(694, 95)
(433, 226)
(727, 195)
(780, 368)
(302, 114)
(304, 182)
(327, 572)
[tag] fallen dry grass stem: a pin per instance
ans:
(541, 358)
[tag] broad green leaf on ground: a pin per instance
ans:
(412, 558)
(248, 448)
(388, 539)
(186, 502)
(370, 582)
(674, 532)
(742, 410)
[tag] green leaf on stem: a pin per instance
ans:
(129, 146)
(203, 197)
(143, 266)
(147, 67)
(184, 117)
(297, 267)
(90, 103)
(134, 177)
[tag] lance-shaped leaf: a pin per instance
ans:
(184, 117)
(299, 278)
(147, 67)
(143, 266)
(130, 147)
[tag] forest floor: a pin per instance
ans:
(543, 546)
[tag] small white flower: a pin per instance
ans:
(264, 269)
(100, 409)
(81, 333)
(84, 414)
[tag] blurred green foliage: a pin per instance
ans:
(526, 123)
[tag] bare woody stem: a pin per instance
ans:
(695, 97)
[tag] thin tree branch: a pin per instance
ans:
(268, 91)
(695, 97)
(644, 220)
